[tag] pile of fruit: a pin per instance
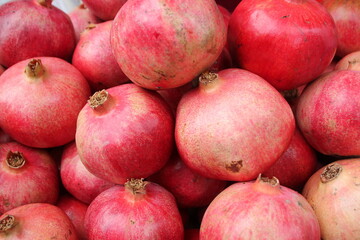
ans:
(180, 119)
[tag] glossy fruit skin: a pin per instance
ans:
(38, 31)
(75, 210)
(349, 62)
(37, 181)
(341, 195)
(39, 221)
(165, 44)
(189, 188)
(118, 213)
(288, 42)
(93, 57)
(259, 210)
(104, 9)
(234, 127)
(129, 136)
(76, 179)
(346, 14)
(327, 113)
(42, 111)
(296, 164)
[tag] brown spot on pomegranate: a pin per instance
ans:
(234, 166)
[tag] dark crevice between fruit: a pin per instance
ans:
(136, 186)
(15, 159)
(98, 98)
(272, 181)
(207, 77)
(6, 223)
(330, 172)
(34, 69)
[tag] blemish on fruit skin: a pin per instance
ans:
(234, 166)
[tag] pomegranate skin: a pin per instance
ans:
(287, 42)
(130, 135)
(2, 69)
(29, 29)
(76, 179)
(34, 181)
(94, 58)
(39, 108)
(349, 62)
(37, 221)
(233, 127)
(327, 113)
(260, 209)
(166, 44)
(104, 9)
(120, 213)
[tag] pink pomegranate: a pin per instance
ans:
(234, 126)
(287, 42)
(164, 44)
(327, 113)
(349, 62)
(40, 100)
(261, 209)
(144, 210)
(36, 221)
(81, 17)
(94, 58)
(34, 28)
(295, 165)
(104, 9)
(125, 132)
(188, 188)
(76, 211)
(27, 175)
(76, 179)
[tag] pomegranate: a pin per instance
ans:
(123, 132)
(261, 209)
(36, 221)
(166, 44)
(139, 210)
(2, 69)
(296, 164)
(76, 179)
(94, 58)
(81, 17)
(346, 14)
(287, 42)
(333, 192)
(233, 127)
(34, 28)
(39, 108)
(328, 113)
(188, 188)
(104, 9)
(27, 175)
(349, 62)
(76, 211)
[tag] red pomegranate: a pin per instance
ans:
(346, 14)
(76, 179)
(349, 62)
(287, 42)
(139, 210)
(125, 132)
(36, 221)
(104, 9)
(94, 58)
(81, 17)
(234, 126)
(2, 69)
(40, 100)
(333, 192)
(328, 113)
(27, 175)
(34, 28)
(189, 189)
(296, 164)
(166, 44)
(261, 209)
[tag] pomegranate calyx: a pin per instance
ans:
(330, 172)
(15, 159)
(45, 3)
(207, 77)
(136, 186)
(6, 223)
(34, 68)
(98, 98)
(271, 181)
